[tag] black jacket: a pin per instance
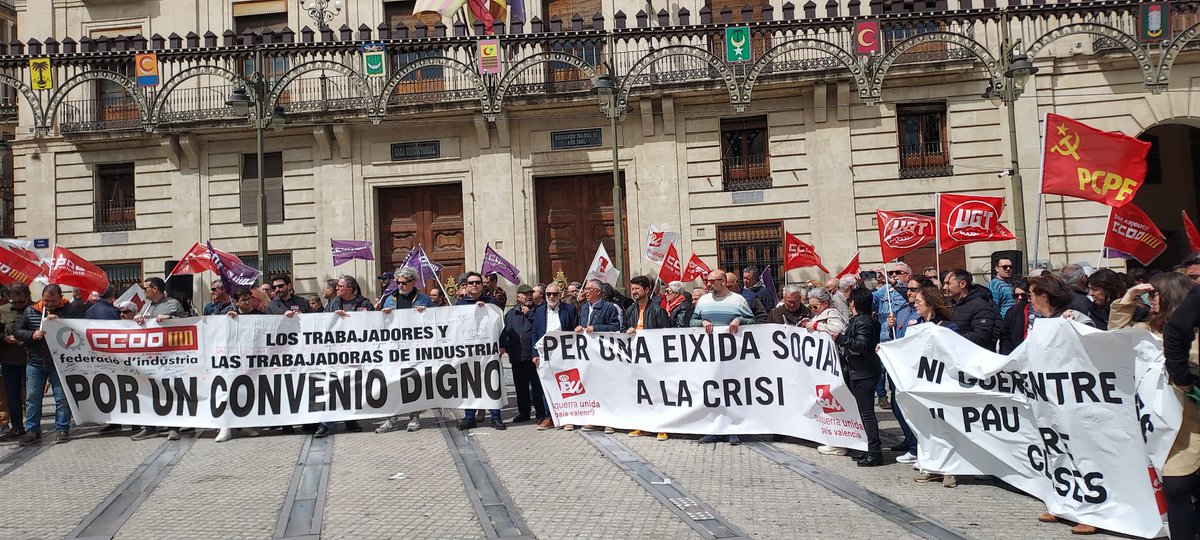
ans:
(29, 322)
(681, 315)
(858, 344)
(655, 317)
(358, 303)
(1178, 334)
(1081, 303)
(517, 337)
(1012, 329)
(977, 317)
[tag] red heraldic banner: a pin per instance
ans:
(672, 267)
(1081, 161)
(71, 269)
(695, 269)
(966, 219)
(900, 233)
(1131, 231)
(800, 255)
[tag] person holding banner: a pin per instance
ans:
(597, 315)
(220, 302)
(159, 307)
(863, 368)
(1175, 315)
(348, 299)
(678, 304)
(552, 316)
(244, 305)
(404, 296)
(1048, 297)
(721, 307)
(40, 368)
(644, 314)
(826, 318)
(473, 285)
(931, 307)
(974, 312)
(1105, 286)
(12, 360)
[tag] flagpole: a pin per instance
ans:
(1100, 263)
(1037, 231)
(887, 290)
(434, 272)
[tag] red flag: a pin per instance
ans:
(16, 267)
(1192, 234)
(852, 267)
(71, 269)
(966, 219)
(672, 267)
(198, 260)
(900, 233)
(695, 269)
(800, 255)
(1082, 161)
(1131, 231)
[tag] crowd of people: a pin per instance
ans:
(858, 311)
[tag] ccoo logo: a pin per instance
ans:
(972, 220)
(68, 339)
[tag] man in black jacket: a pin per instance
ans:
(974, 312)
(41, 365)
(643, 313)
(517, 340)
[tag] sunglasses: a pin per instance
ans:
(404, 282)
(895, 273)
(1021, 296)
(214, 289)
(474, 282)
(1005, 267)
(553, 294)
(280, 286)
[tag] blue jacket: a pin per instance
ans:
(419, 299)
(568, 318)
(904, 312)
(1002, 294)
(103, 310)
(604, 317)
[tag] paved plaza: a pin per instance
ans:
(440, 483)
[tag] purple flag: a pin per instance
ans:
(419, 261)
(768, 282)
(233, 272)
(493, 263)
(348, 250)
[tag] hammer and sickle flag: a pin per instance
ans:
(1081, 161)
(41, 77)
(866, 38)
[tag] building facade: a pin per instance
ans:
(800, 135)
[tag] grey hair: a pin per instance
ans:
(792, 288)
(406, 274)
(675, 287)
(847, 282)
(1071, 274)
(597, 284)
(821, 295)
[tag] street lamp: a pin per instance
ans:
(607, 92)
(242, 104)
(1017, 71)
(322, 11)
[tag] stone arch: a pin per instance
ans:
(61, 93)
(35, 103)
(1167, 59)
(1140, 54)
(195, 71)
(735, 96)
(379, 107)
(856, 70)
(885, 63)
(317, 65)
(510, 76)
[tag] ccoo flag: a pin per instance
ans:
(672, 266)
(1082, 161)
(695, 269)
(1131, 231)
(71, 269)
(800, 255)
(966, 219)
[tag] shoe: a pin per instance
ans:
(250, 432)
(466, 423)
(707, 439)
(288, 430)
(12, 435)
(832, 450)
(950, 481)
(111, 428)
(609, 430)
(1047, 517)
(498, 424)
(906, 457)
(926, 477)
(391, 424)
(520, 419)
(546, 424)
(63, 437)
(636, 433)
(855, 455)
(661, 436)
(734, 440)
(29, 438)
(414, 424)
(569, 427)
(883, 403)
(172, 434)
(321, 432)
(872, 459)
(224, 434)
(901, 446)
(588, 427)
(145, 433)
(353, 426)
(1083, 529)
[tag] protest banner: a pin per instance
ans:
(767, 378)
(257, 371)
(1067, 417)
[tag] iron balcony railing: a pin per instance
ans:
(925, 160)
(115, 215)
(745, 173)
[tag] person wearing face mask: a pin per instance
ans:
(552, 316)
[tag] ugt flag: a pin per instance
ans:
(348, 250)
(1130, 231)
(695, 269)
(71, 269)
(900, 233)
(800, 255)
(1081, 161)
(966, 219)
(493, 263)
(602, 268)
(672, 267)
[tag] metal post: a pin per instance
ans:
(261, 125)
(618, 202)
(1010, 98)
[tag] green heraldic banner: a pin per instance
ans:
(257, 370)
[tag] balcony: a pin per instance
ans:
(115, 216)
(925, 160)
(99, 114)
(746, 173)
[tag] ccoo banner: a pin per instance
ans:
(766, 378)
(1067, 417)
(258, 370)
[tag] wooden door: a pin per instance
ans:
(429, 216)
(574, 215)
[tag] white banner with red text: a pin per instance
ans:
(268, 370)
(1076, 417)
(767, 378)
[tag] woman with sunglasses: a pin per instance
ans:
(932, 308)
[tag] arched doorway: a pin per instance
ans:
(1172, 184)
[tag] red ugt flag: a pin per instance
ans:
(1082, 161)
(966, 219)
(672, 267)
(900, 233)
(71, 269)
(1192, 234)
(800, 255)
(1131, 231)
(852, 267)
(695, 269)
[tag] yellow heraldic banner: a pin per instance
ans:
(268, 370)
(41, 77)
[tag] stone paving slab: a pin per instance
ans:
(763, 498)
(48, 496)
(566, 489)
(428, 501)
(228, 490)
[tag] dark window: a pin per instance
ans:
(277, 263)
(751, 244)
(273, 173)
(273, 67)
(426, 79)
(924, 148)
(114, 106)
(745, 157)
(123, 275)
(896, 34)
(591, 51)
(114, 198)
(400, 13)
